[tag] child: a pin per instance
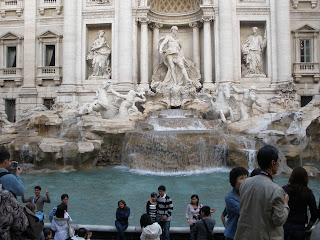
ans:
(47, 234)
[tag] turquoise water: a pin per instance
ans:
(93, 194)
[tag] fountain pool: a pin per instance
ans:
(94, 193)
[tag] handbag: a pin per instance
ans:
(71, 230)
(209, 234)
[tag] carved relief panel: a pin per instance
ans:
(98, 2)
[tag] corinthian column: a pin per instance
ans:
(196, 43)
(282, 9)
(155, 53)
(125, 43)
(144, 61)
(226, 41)
(29, 62)
(69, 46)
(208, 83)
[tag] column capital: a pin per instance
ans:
(154, 25)
(142, 20)
(207, 19)
(195, 24)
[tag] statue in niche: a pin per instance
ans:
(248, 99)
(128, 105)
(252, 50)
(100, 56)
(171, 48)
(176, 79)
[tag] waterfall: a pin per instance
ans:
(249, 148)
(180, 141)
(26, 154)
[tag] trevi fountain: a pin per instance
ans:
(146, 89)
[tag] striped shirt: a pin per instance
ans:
(165, 206)
(152, 211)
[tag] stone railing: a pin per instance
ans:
(11, 74)
(11, 5)
(306, 69)
(296, 2)
(107, 232)
(49, 73)
(50, 4)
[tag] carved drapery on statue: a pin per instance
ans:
(176, 80)
(252, 50)
(100, 56)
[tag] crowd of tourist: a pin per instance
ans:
(255, 208)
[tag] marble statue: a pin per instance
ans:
(171, 48)
(252, 50)
(249, 98)
(128, 105)
(101, 104)
(100, 56)
(222, 104)
(176, 80)
(296, 125)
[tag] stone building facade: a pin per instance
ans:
(44, 46)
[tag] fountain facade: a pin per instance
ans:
(117, 71)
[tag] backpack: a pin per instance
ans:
(3, 173)
(52, 213)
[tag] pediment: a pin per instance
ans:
(49, 34)
(11, 36)
(306, 29)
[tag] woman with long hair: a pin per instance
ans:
(60, 223)
(193, 213)
(300, 198)
(149, 230)
(122, 215)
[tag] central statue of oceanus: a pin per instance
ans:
(176, 80)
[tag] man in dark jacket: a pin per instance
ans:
(200, 230)
(38, 199)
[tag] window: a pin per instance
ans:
(48, 102)
(10, 107)
(305, 51)
(50, 55)
(305, 100)
(11, 57)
